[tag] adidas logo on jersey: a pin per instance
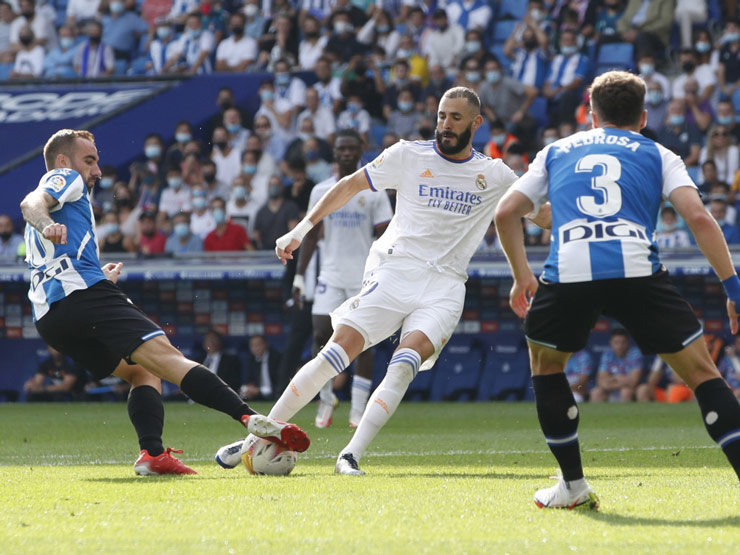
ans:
(427, 173)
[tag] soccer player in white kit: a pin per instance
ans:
(348, 234)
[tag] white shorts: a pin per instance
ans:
(327, 298)
(410, 296)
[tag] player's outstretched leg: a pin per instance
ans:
(361, 386)
(721, 415)
(383, 403)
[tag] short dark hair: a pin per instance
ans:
(64, 141)
(619, 331)
(464, 92)
(348, 132)
(668, 210)
(618, 98)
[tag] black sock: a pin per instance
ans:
(146, 411)
(721, 414)
(206, 388)
(558, 415)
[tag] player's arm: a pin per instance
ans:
(308, 247)
(67, 384)
(711, 241)
(333, 200)
(35, 208)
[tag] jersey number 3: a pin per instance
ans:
(606, 183)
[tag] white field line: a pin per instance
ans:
(74, 460)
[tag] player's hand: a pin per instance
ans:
(285, 246)
(299, 287)
(56, 233)
(732, 313)
(521, 295)
(112, 271)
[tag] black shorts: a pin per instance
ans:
(652, 310)
(97, 327)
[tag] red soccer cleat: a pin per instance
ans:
(146, 465)
(283, 433)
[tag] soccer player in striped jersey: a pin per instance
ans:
(605, 187)
(80, 311)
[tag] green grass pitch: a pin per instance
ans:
(442, 478)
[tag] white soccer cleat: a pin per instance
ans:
(326, 412)
(347, 465)
(354, 418)
(567, 495)
(230, 455)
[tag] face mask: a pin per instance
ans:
(341, 27)
(233, 128)
(312, 155)
(499, 139)
(404, 53)
(152, 151)
(688, 67)
(724, 120)
(472, 76)
(493, 76)
(267, 95)
(182, 230)
(537, 15)
(28, 15)
(311, 34)
(568, 50)
(5, 235)
(225, 104)
(655, 97)
(174, 182)
(25, 40)
(239, 192)
(531, 44)
(221, 145)
(249, 169)
(275, 191)
(194, 33)
(282, 79)
(219, 216)
(116, 7)
(209, 177)
(532, 229)
(106, 182)
(405, 106)
(703, 47)
(163, 32)
(472, 46)
(731, 37)
(108, 229)
(250, 10)
(237, 31)
(549, 140)
(383, 28)
(304, 136)
(66, 42)
(669, 227)
(442, 28)
(647, 69)
(183, 137)
(199, 203)
(676, 119)
(94, 39)
(401, 82)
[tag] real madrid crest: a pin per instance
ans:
(480, 182)
(361, 201)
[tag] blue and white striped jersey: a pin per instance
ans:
(58, 270)
(605, 186)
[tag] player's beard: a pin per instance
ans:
(463, 139)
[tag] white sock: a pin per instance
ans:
(327, 394)
(385, 400)
(304, 386)
(360, 393)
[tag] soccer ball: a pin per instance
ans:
(269, 458)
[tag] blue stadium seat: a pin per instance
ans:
(482, 136)
(502, 29)
(376, 134)
(5, 70)
(505, 373)
(538, 110)
(458, 371)
(515, 9)
(736, 101)
(121, 67)
(498, 51)
(138, 66)
(618, 55)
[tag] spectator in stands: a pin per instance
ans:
(160, 47)
(181, 9)
(295, 148)
(224, 101)
(726, 155)
(443, 43)
(289, 88)
(226, 157)
(357, 15)
(252, 178)
(564, 83)
(237, 133)
(276, 217)
(529, 56)
(122, 30)
(153, 160)
(726, 117)
(365, 83)
(578, 372)
(56, 379)
(499, 141)
(242, 207)
(274, 143)
(605, 22)
(404, 119)
(722, 190)
(9, 240)
(490, 242)
(418, 67)
(380, 31)
(239, 51)
(649, 73)
(150, 240)
(225, 366)
(112, 239)
(201, 219)
(729, 366)
(470, 74)
(699, 112)
(357, 118)
(80, 11)
(718, 209)
(438, 84)
(321, 118)
(266, 165)
(474, 48)
(227, 236)
(29, 60)
(516, 158)
(191, 53)
(279, 112)
(728, 72)
(690, 70)
(620, 370)
(192, 172)
(255, 21)
(328, 87)
(400, 80)
(300, 185)
(60, 61)
(182, 240)
(317, 169)
(279, 42)
(507, 99)
(550, 134)
(176, 197)
(212, 183)
(311, 47)
(153, 11)
(647, 24)
(215, 18)
(94, 58)
(657, 107)
(708, 176)
(176, 152)
(470, 14)
(671, 235)
(6, 19)
(43, 28)
(343, 44)
(688, 13)
(679, 135)
(663, 385)
(263, 367)
(103, 192)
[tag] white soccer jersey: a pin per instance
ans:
(443, 206)
(348, 235)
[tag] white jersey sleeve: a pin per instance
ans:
(386, 170)
(533, 184)
(63, 184)
(674, 172)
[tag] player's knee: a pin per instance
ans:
(400, 374)
(139, 376)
